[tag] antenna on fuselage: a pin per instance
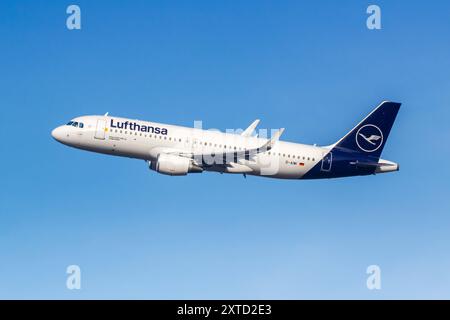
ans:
(106, 114)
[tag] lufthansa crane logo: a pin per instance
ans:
(369, 138)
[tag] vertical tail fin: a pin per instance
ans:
(370, 135)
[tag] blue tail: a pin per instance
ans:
(370, 135)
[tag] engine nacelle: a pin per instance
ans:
(174, 165)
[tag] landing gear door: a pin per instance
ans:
(100, 129)
(327, 161)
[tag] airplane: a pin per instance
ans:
(177, 151)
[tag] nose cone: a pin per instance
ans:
(58, 134)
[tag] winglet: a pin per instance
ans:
(269, 144)
(248, 132)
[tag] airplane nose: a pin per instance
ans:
(58, 133)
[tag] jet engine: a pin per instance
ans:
(174, 165)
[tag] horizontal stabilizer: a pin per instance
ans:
(379, 167)
(370, 164)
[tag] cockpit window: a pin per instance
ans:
(75, 124)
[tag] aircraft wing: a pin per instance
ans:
(234, 155)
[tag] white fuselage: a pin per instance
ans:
(176, 150)
(148, 140)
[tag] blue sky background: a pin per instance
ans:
(312, 67)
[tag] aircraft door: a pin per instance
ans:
(100, 129)
(327, 160)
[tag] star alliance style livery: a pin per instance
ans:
(175, 150)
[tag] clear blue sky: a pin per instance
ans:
(312, 67)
